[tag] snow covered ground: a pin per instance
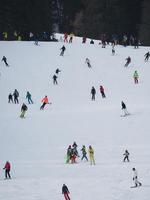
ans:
(36, 146)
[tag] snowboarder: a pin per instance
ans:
(45, 101)
(124, 108)
(126, 156)
(135, 178)
(24, 108)
(55, 79)
(63, 48)
(10, 98)
(93, 92)
(7, 170)
(87, 61)
(102, 91)
(57, 71)
(16, 95)
(84, 153)
(28, 96)
(128, 59)
(65, 192)
(91, 155)
(147, 55)
(135, 76)
(5, 61)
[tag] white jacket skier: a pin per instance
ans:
(135, 178)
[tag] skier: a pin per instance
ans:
(135, 178)
(69, 153)
(93, 92)
(124, 109)
(71, 37)
(91, 155)
(7, 170)
(45, 101)
(66, 37)
(16, 95)
(55, 79)
(74, 149)
(65, 192)
(128, 59)
(5, 61)
(63, 48)
(57, 71)
(84, 39)
(87, 61)
(10, 98)
(126, 156)
(92, 41)
(84, 153)
(147, 55)
(113, 50)
(102, 91)
(135, 76)
(28, 96)
(24, 108)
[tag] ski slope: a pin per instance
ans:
(36, 146)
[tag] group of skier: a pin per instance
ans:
(93, 92)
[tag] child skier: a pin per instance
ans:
(5, 61)
(7, 170)
(84, 153)
(24, 108)
(45, 101)
(87, 61)
(102, 91)
(65, 192)
(126, 156)
(135, 178)
(28, 96)
(91, 155)
(63, 48)
(124, 109)
(128, 59)
(93, 92)
(135, 76)
(10, 98)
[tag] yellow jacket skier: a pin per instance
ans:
(91, 155)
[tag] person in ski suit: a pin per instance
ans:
(57, 71)
(45, 101)
(16, 95)
(84, 39)
(10, 98)
(126, 156)
(74, 148)
(69, 153)
(91, 155)
(28, 96)
(128, 59)
(135, 76)
(84, 153)
(7, 170)
(4, 59)
(113, 49)
(65, 192)
(71, 37)
(93, 92)
(66, 37)
(147, 55)
(63, 48)
(55, 79)
(87, 61)
(102, 91)
(135, 178)
(24, 108)
(124, 108)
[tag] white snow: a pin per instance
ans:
(36, 146)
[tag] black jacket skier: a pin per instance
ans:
(5, 61)
(63, 48)
(10, 98)
(55, 79)
(16, 95)
(147, 55)
(93, 92)
(65, 192)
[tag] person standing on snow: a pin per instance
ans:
(91, 155)
(147, 55)
(84, 153)
(16, 95)
(28, 96)
(4, 59)
(102, 91)
(65, 192)
(126, 156)
(93, 92)
(63, 48)
(7, 170)
(124, 108)
(24, 108)
(128, 59)
(135, 76)
(45, 101)
(10, 98)
(87, 61)
(55, 79)
(135, 178)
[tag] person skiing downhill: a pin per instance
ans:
(84, 153)
(113, 50)
(16, 95)
(10, 98)
(93, 92)
(126, 156)
(65, 192)
(128, 59)
(124, 108)
(24, 108)
(45, 101)
(7, 170)
(147, 55)
(102, 91)
(135, 178)
(136, 76)
(28, 96)
(63, 48)
(55, 80)
(87, 61)
(91, 155)
(69, 153)
(4, 59)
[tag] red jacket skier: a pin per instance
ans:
(102, 91)
(7, 170)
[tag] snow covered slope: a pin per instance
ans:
(36, 146)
